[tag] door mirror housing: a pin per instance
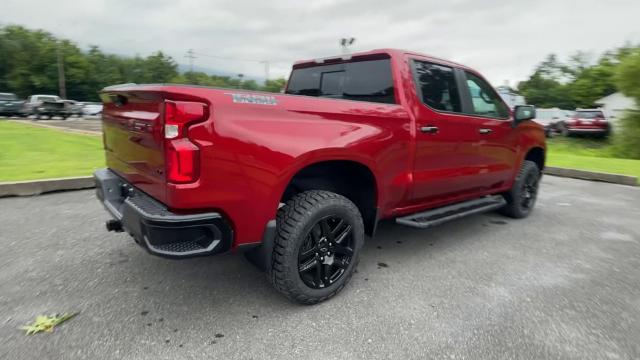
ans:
(523, 113)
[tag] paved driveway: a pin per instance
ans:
(564, 283)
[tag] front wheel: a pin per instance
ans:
(522, 196)
(319, 235)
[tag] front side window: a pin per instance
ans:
(368, 80)
(484, 99)
(436, 85)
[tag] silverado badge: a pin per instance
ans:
(253, 99)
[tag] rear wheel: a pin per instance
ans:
(562, 129)
(522, 196)
(318, 240)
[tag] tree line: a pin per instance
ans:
(579, 82)
(29, 65)
(575, 83)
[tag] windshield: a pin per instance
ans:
(545, 114)
(47, 98)
(8, 97)
(589, 114)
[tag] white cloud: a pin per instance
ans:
(501, 39)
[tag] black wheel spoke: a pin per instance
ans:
(307, 253)
(345, 232)
(326, 230)
(337, 228)
(342, 250)
(340, 263)
(316, 233)
(326, 270)
(318, 275)
(308, 265)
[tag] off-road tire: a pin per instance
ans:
(294, 221)
(515, 207)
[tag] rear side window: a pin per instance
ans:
(369, 80)
(484, 99)
(437, 86)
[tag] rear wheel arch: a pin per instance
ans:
(351, 179)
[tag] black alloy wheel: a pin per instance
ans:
(326, 252)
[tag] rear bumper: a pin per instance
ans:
(588, 130)
(154, 227)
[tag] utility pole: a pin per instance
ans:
(240, 76)
(190, 55)
(62, 89)
(266, 70)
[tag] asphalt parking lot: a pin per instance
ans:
(562, 284)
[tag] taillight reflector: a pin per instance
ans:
(182, 157)
(182, 161)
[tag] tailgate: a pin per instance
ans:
(132, 132)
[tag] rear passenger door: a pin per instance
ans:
(496, 147)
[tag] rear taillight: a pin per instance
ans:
(182, 157)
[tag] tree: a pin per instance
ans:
(577, 83)
(29, 65)
(158, 68)
(627, 78)
(276, 85)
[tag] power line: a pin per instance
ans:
(191, 56)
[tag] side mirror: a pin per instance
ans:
(523, 113)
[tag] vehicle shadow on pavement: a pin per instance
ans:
(230, 282)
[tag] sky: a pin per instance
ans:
(504, 40)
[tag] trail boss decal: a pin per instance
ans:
(253, 99)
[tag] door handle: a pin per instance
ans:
(485, 131)
(429, 129)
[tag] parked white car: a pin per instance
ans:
(92, 109)
(553, 120)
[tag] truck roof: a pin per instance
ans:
(386, 51)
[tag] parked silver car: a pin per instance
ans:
(553, 120)
(92, 109)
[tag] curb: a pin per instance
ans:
(37, 187)
(593, 176)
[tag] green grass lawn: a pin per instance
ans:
(588, 154)
(29, 152)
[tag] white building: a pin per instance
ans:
(614, 105)
(509, 97)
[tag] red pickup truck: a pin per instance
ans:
(297, 180)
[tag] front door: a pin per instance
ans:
(447, 162)
(496, 148)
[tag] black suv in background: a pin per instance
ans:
(10, 105)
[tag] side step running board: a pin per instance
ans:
(443, 214)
